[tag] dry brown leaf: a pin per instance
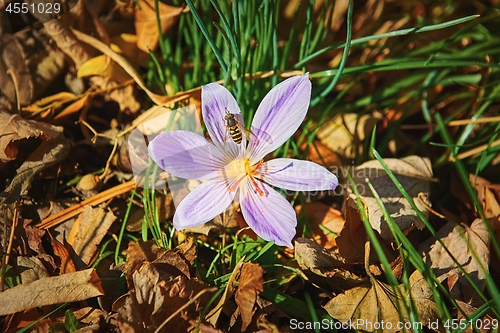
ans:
(67, 42)
(103, 66)
(323, 267)
(213, 316)
(138, 253)
(188, 249)
(33, 234)
(160, 283)
(54, 149)
(71, 109)
(126, 44)
(319, 214)
(48, 69)
(251, 283)
(71, 287)
(49, 102)
(17, 83)
(486, 196)
(88, 231)
(346, 131)
(322, 155)
(14, 128)
(124, 63)
(30, 269)
(67, 264)
(146, 25)
(76, 209)
(461, 241)
(414, 173)
(468, 310)
(351, 241)
(377, 302)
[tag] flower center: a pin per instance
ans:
(237, 170)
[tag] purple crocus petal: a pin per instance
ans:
(186, 155)
(271, 216)
(215, 101)
(207, 201)
(297, 175)
(279, 115)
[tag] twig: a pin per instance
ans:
(188, 303)
(460, 122)
(106, 169)
(4, 245)
(423, 195)
(476, 150)
(95, 132)
(11, 240)
(92, 201)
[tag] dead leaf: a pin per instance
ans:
(346, 131)
(213, 316)
(75, 209)
(377, 302)
(486, 196)
(53, 149)
(322, 155)
(414, 173)
(351, 241)
(67, 264)
(188, 249)
(17, 83)
(46, 154)
(49, 102)
(461, 241)
(67, 42)
(324, 267)
(30, 269)
(160, 283)
(14, 128)
(48, 69)
(103, 66)
(146, 24)
(468, 311)
(88, 231)
(251, 283)
(124, 63)
(71, 287)
(138, 253)
(126, 44)
(319, 214)
(71, 109)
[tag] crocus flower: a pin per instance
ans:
(229, 169)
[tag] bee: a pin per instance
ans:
(234, 127)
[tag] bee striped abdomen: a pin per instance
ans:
(235, 134)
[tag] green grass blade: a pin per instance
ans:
(387, 35)
(336, 78)
(205, 32)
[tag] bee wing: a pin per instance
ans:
(256, 134)
(226, 136)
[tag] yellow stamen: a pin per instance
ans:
(239, 169)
